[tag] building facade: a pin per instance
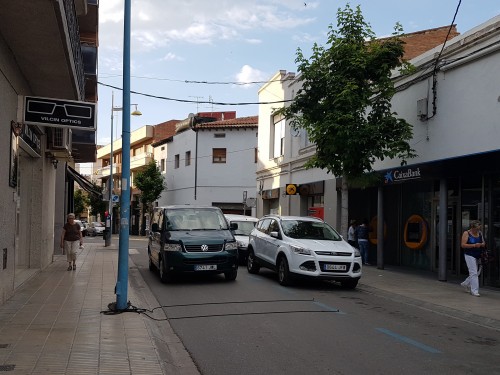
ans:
(424, 207)
(212, 163)
(47, 49)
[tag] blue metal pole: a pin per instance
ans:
(122, 281)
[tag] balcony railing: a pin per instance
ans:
(141, 160)
(74, 36)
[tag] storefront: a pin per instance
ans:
(413, 200)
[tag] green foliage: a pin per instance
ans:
(150, 183)
(81, 201)
(344, 103)
(97, 205)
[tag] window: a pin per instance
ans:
(219, 155)
(162, 165)
(188, 158)
(256, 155)
(176, 162)
(279, 138)
(163, 148)
(220, 135)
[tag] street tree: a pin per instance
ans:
(344, 102)
(81, 201)
(150, 182)
(97, 205)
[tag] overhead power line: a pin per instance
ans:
(192, 101)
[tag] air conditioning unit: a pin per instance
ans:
(60, 139)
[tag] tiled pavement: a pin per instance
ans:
(54, 325)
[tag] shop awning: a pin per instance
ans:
(83, 182)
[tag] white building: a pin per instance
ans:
(212, 163)
(426, 205)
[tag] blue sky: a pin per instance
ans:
(231, 42)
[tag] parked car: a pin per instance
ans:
(302, 246)
(83, 227)
(95, 229)
(191, 239)
(245, 226)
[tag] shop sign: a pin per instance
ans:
(402, 175)
(271, 194)
(32, 139)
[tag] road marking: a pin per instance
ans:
(407, 340)
(133, 251)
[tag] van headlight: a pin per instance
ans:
(300, 250)
(172, 247)
(231, 246)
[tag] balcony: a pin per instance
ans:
(141, 160)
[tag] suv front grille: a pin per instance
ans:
(198, 248)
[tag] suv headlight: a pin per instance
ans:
(231, 246)
(301, 250)
(172, 247)
(357, 254)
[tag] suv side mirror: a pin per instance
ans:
(274, 234)
(233, 226)
(154, 227)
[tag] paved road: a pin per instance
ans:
(256, 326)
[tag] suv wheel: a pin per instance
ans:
(284, 276)
(231, 275)
(252, 265)
(349, 284)
(165, 276)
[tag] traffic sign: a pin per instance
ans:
(291, 189)
(115, 198)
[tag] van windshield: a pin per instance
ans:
(195, 219)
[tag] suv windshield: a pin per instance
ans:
(195, 219)
(244, 228)
(311, 230)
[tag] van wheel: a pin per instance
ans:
(284, 276)
(165, 277)
(252, 265)
(231, 275)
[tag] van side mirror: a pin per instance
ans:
(155, 227)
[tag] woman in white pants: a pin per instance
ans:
(473, 245)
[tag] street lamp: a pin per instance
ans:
(107, 239)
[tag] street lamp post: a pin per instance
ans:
(121, 288)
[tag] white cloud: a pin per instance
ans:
(249, 74)
(171, 56)
(253, 41)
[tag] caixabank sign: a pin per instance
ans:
(402, 175)
(59, 113)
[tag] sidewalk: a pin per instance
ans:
(54, 325)
(423, 290)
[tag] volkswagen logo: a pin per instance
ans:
(204, 247)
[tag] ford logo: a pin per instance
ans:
(204, 247)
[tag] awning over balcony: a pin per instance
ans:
(83, 182)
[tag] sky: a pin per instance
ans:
(203, 52)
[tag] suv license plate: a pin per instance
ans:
(334, 267)
(205, 267)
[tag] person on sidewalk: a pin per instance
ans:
(71, 239)
(351, 234)
(473, 245)
(363, 245)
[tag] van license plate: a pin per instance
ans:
(334, 267)
(205, 267)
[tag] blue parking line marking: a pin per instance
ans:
(409, 341)
(329, 308)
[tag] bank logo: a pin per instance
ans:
(402, 175)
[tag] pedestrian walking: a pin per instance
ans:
(351, 234)
(71, 239)
(363, 245)
(473, 245)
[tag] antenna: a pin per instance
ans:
(197, 102)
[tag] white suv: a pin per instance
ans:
(306, 246)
